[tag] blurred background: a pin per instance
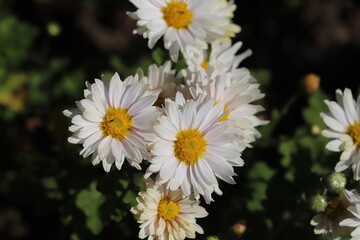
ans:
(49, 48)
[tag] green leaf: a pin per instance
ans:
(13, 42)
(311, 114)
(287, 148)
(258, 194)
(263, 76)
(130, 198)
(158, 55)
(13, 93)
(261, 171)
(89, 201)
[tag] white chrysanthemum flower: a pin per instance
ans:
(327, 223)
(344, 123)
(237, 99)
(113, 121)
(165, 214)
(222, 59)
(227, 9)
(354, 220)
(181, 22)
(192, 148)
(160, 77)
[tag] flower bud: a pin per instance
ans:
(311, 82)
(318, 203)
(239, 228)
(54, 29)
(336, 182)
(315, 130)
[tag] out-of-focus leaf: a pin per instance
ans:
(263, 76)
(12, 41)
(287, 148)
(258, 194)
(89, 201)
(58, 64)
(51, 188)
(269, 128)
(158, 55)
(71, 84)
(12, 92)
(311, 114)
(260, 171)
(37, 95)
(130, 198)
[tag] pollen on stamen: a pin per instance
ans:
(167, 209)
(205, 64)
(177, 15)
(189, 146)
(354, 132)
(116, 123)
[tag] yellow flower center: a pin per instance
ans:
(116, 123)
(205, 64)
(227, 115)
(336, 208)
(354, 132)
(168, 209)
(189, 146)
(177, 15)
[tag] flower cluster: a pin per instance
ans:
(191, 126)
(340, 215)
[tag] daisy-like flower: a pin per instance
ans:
(228, 8)
(181, 22)
(237, 99)
(165, 214)
(354, 220)
(327, 223)
(344, 123)
(113, 121)
(222, 59)
(160, 77)
(192, 148)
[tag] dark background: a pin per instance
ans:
(49, 48)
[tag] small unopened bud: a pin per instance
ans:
(54, 29)
(336, 182)
(318, 203)
(212, 238)
(311, 82)
(315, 130)
(239, 228)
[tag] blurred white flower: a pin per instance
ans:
(113, 121)
(344, 123)
(228, 8)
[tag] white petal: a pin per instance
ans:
(104, 147)
(333, 123)
(334, 145)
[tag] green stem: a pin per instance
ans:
(283, 112)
